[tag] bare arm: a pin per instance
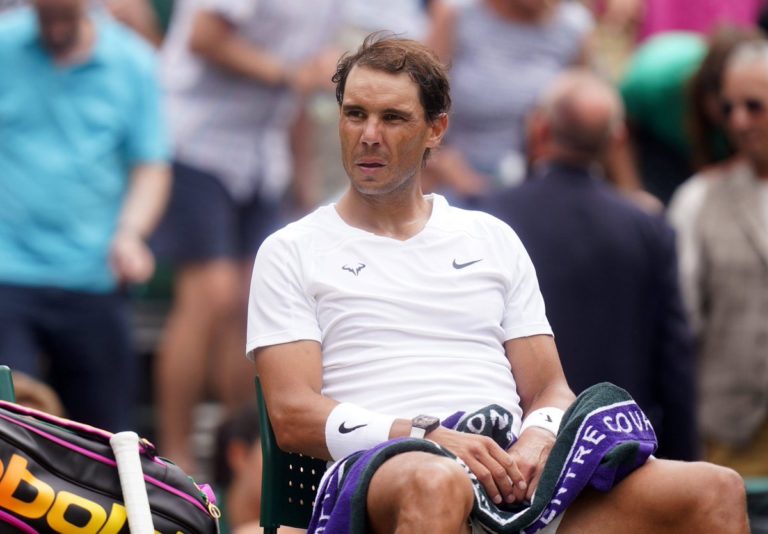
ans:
(291, 378)
(447, 167)
(215, 39)
(306, 179)
(540, 383)
(131, 259)
(538, 373)
(442, 28)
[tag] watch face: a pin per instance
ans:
(427, 422)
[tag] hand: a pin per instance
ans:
(315, 74)
(529, 453)
(623, 14)
(130, 258)
(449, 169)
(493, 466)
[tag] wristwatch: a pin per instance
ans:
(421, 425)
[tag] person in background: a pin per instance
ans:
(721, 217)
(704, 122)
(36, 394)
(84, 181)
(237, 469)
(653, 89)
(607, 270)
(670, 92)
(136, 14)
(502, 54)
(233, 73)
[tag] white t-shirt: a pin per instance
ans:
(406, 327)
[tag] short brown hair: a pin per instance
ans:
(385, 52)
(706, 83)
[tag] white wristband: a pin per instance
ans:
(547, 418)
(350, 428)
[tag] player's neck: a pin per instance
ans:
(396, 216)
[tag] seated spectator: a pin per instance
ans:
(33, 393)
(237, 473)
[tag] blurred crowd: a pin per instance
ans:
(144, 133)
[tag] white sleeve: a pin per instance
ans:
(279, 308)
(525, 313)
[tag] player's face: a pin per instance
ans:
(384, 132)
(60, 23)
(745, 108)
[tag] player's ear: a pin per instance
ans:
(437, 129)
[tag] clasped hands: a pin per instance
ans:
(508, 476)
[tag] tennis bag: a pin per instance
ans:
(57, 475)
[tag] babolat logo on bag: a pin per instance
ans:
(26, 496)
(60, 476)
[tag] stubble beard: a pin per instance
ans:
(392, 190)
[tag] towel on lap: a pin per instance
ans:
(604, 436)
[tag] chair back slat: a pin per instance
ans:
(7, 393)
(289, 480)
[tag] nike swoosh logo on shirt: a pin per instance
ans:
(462, 265)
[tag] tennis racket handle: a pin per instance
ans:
(125, 446)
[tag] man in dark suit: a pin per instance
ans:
(606, 268)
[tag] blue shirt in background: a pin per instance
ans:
(69, 137)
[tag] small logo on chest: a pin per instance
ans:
(354, 269)
(457, 265)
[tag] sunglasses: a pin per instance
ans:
(753, 106)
